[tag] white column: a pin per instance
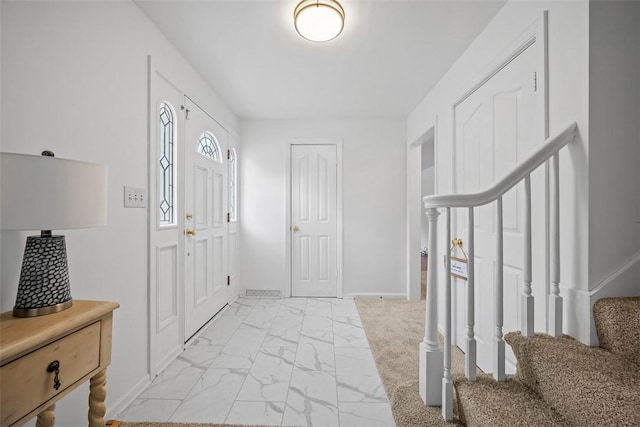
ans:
(470, 356)
(430, 359)
(447, 385)
(555, 300)
(498, 348)
(526, 303)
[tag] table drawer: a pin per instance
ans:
(26, 384)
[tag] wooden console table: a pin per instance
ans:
(42, 359)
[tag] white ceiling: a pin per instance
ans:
(390, 54)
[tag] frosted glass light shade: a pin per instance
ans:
(319, 20)
(49, 193)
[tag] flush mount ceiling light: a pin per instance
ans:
(319, 20)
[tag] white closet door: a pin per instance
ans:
(314, 271)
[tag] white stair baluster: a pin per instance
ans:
(447, 385)
(470, 356)
(547, 240)
(527, 316)
(498, 349)
(430, 368)
(555, 300)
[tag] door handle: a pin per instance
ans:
(190, 232)
(295, 228)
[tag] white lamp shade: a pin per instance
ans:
(49, 193)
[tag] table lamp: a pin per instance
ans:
(46, 193)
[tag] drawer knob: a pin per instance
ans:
(55, 367)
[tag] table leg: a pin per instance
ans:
(47, 418)
(97, 395)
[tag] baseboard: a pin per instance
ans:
(374, 295)
(114, 410)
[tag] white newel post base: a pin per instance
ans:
(430, 371)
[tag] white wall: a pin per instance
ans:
(614, 198)
(568, 84)
(74, 80)
(373, 201)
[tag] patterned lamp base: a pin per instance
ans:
(44, 279)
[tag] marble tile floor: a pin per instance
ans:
(280, 362)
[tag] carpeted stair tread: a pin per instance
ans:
(486, 402)
(588, 385)
(617, 322)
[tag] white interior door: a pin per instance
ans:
(496, 128)
(165, 222)
(205, 230)
(314, 266)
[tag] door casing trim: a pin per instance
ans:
(286, 290)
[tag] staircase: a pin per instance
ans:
(562, 382)
(559, 380)
(435, 374)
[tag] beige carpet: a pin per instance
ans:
(395, 329)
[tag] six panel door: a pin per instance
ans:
(314, 269)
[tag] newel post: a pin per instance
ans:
(431, 356)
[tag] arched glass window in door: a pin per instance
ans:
(166, 165)
(208, 146)
(233, 188)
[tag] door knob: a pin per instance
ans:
(190, 232)
(295, 228)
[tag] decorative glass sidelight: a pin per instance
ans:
(166, 170)
(233, 189)
(208, 146)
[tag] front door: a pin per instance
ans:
(205, 234)
(314, 265)
(496, 128)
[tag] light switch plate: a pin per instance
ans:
(135, 197)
